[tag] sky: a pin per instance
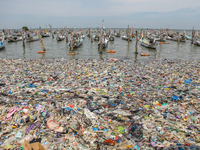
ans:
(172, 14)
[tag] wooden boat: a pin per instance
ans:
(111, 38)
(117, 34)
(104, 43)
(96, 37)
(188, 37)
(159, 39)
(60, 37)
(2, 44)
(126, 38)
(76, 43)
(32, 39)
(45, 34)
(82, 36)
(14, 39)
(148, 43)
(176, 39)
(196, 41)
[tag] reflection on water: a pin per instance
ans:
(89, 50)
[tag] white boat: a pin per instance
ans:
(60, 37)
(32, 39)
(104, 43)
(196, 42)
(14, 39)
(96, 37)
(76, 43)
(148, 43)
(111, 38)
(82, 36)
(126, 38)
(176, 39)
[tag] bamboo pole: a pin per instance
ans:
(101, 37)
(41, 42)
(91, 35)
(178, 37)
(136, 52)
(72, 41)
(193, 35)
(23, 38)
(161, 34)
(128, 33)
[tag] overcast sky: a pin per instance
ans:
(172, 14)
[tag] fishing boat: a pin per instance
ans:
(60, 37)
(76, 42)
(104, 43)
(117, 34)
(188, 37)
(96, 37)
(148, 43)
(126, 38)
(45, 34)
(196, 41)
(111, 38)
(163, 39)
(32, 38)
(14, 39)
(2, 44)
(176, 39)
(82, 36)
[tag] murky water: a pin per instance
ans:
(89, 50)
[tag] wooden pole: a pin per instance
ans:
(136, 52)
(66, 36)
(128, 32)
(41, 42)
(72, 41)
(101, 37)
(23, 38)
(193, 35)
(91, 35)
(161, 34)
(178, 37)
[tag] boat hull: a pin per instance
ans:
(32, 40)
(60, 38)
(149, 46)
(126, 38)
(14, 39)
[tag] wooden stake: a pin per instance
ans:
(101, 37)
(128, 33)
(23, 38)
(72, 41)
(178, 37)
(41, 42)
(193, 35)
(136, 52)
(66, 36)
(91, 35)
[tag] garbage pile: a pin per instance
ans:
(99, 104)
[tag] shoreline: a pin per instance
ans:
(117, 103)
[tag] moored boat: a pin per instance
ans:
(32, 39)
(96, 37)
(60, 37)
(104, 43)
(126, 38)
(76, 42)
(2, 44)
(148, 43)
(14, 39)
(111, 38)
